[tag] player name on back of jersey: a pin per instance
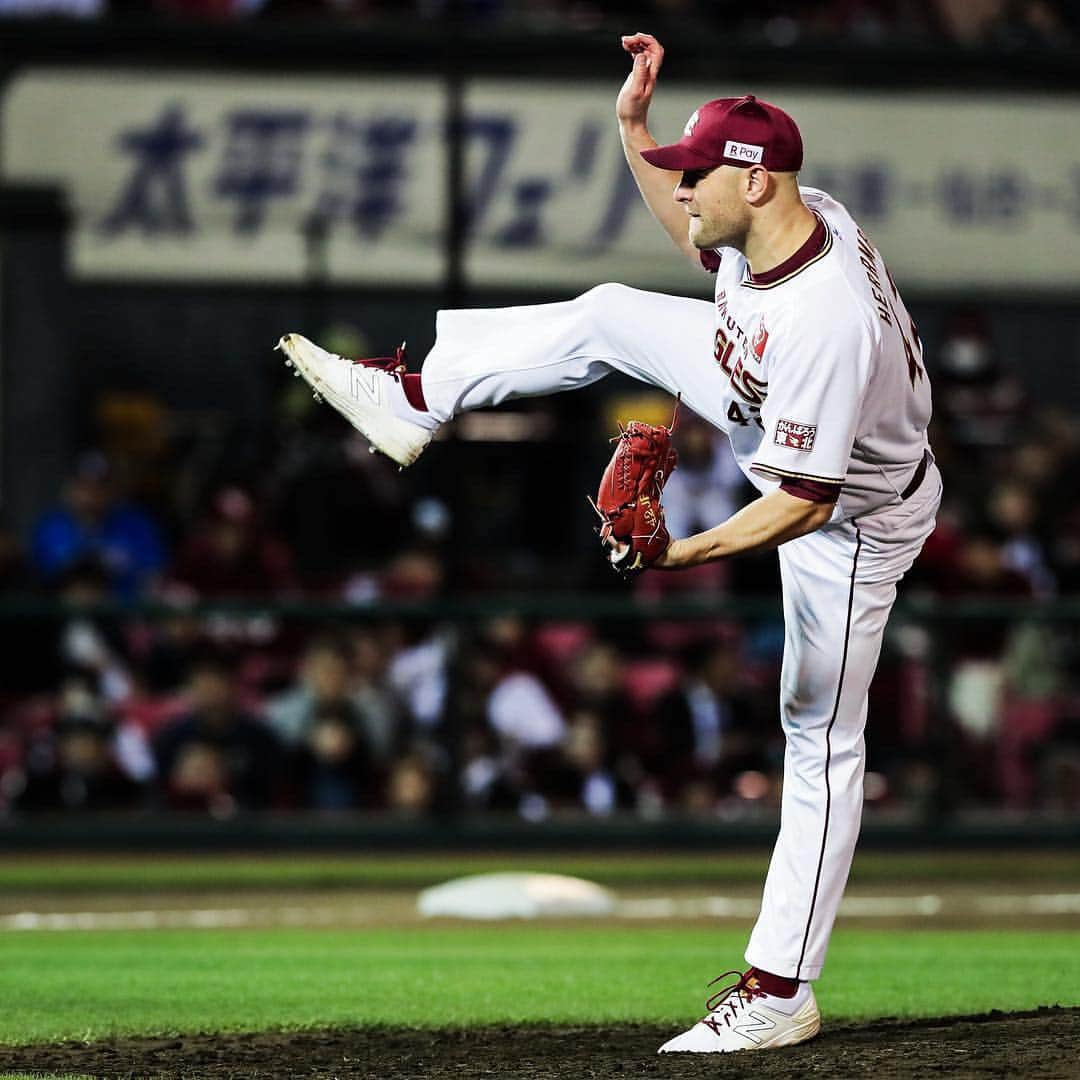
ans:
(868, 258)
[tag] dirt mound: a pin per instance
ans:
(1040, 1045)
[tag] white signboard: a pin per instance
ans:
(190, 177)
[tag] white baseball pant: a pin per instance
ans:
(839, 583)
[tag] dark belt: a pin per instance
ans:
(917, 479)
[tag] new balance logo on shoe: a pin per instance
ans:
(755, 1022)
(364, 382)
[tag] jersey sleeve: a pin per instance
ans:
(816, 388)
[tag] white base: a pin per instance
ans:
(516, 896)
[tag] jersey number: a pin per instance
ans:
(915, 372)
(736, 416)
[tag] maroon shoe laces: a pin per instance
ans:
(392, 365)
(723, 1006)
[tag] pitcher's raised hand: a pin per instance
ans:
(632, 104)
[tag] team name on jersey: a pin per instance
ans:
(746, 385)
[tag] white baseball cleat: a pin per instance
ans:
(744, 1017)
(368, 393)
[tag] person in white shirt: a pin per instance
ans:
(810, 363)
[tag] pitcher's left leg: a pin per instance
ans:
(484, 357)
(834, 623)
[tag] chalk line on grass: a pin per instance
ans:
(181, 919)
(646, 908)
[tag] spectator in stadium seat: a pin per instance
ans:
(604, 739)
(595, 786)
(72, 764)
(230, 554)
(512, 727)
(981, 570)
(91, 641)
(485, 782)
(370, 656)
(330, 684)
(323, 683)
(984, 404)
(321, 476)
(594, 767)
(976, 675)
(413, 784)
(708, 729)
(167, 648)
(1032, 708)
(333, 767)
(1014, 516)
(45, 649)
(217, 757)
(93, 522)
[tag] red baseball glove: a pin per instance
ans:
(632, 527)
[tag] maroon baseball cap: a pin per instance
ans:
(733, 131)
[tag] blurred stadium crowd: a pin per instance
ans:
(107, 709)
(780, 22)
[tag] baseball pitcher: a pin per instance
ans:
(811, 364)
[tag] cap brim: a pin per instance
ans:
(677, 158)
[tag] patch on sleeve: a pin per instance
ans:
(795, 436)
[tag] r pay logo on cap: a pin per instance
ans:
(743, 151)
(691, 124)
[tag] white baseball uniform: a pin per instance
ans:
(815, 372)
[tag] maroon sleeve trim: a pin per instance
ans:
(773, 472)
(710, 260)
(812, 490)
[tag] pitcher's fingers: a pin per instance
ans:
(638, 42)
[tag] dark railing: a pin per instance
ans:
(548, 605)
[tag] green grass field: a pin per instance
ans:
(89, 984)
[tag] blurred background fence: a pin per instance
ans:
(215, 604)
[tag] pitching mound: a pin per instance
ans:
(1041, 1045)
